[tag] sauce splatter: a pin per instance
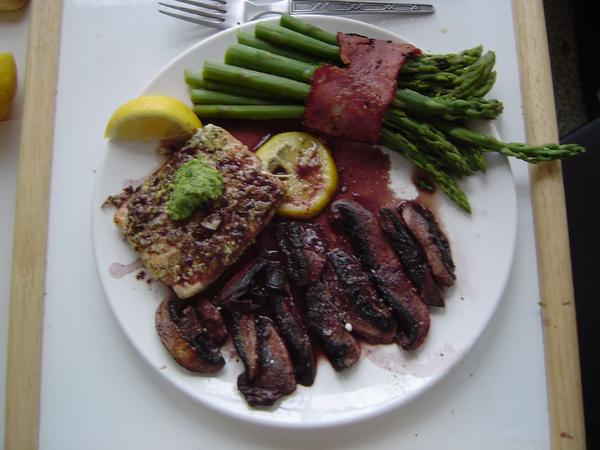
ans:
(118, 270)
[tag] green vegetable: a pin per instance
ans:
(475, 76)
(195, 80)
(295, 24)
(208, 97)
(267, 62)
(424, 123)
(530, 153)
(447, 107)
(431, 140)
(194, 183)
(450, 62)
(397, 142)
(278, 35)
(256, 80)
(258, 112)
(250, 40)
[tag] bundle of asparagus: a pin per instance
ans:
(266, 75)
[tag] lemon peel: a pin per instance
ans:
(8, 83)
(152, 117)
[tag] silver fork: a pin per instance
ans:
(224, 14)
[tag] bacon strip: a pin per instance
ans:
(350, 102)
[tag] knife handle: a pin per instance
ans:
(342, 8)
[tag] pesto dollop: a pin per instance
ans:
(194, 183)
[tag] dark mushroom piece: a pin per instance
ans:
(369, 317)
(186, 337)
(412, 257)
(423, 226)
(386, 272)
(304, 252)
(289, 323)
(340, 347)
(275, 377)
(245, 340)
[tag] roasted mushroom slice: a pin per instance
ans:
(186, 338)
(423, 226)
(244, 291)
(412, 257)
(369, 317)
(324, 322)
(212, 321)
(386, 272)
(275, 376)
(245, 340)
(304, 252)
(289, 323)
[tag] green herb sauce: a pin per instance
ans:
(194, 183)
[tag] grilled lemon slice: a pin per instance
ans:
(306, 168)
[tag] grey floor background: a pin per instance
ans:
(562, 43)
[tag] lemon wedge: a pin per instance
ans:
(307, 169)
(152, 117)
(8, 82)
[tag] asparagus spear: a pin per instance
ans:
(433, 141)
(208, 97)
(449, 108)
(251, 40)
(474, 77)
(397, 142)
(195, 80)
(258, 112)
(486, 86)
(284, 36)
(474, 156)
(450, 62)
(529, 153)
(295, 24)
(255, 80)
(267, 62)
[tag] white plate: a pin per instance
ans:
(386, 377)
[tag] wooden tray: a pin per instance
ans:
(31, 219)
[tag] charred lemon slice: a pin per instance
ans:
(306, 168)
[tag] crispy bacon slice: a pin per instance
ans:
(365, 55)
(350, 102)
(387, 273)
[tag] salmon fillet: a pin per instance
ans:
(190, 254)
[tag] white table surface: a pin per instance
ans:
(98, 393)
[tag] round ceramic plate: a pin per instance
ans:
(386, 377)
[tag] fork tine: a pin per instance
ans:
(217, 5)
(207, 23)
(205, 14)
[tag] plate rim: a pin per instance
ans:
(371, 411)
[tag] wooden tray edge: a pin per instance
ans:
(30, 228)
(565, 406)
